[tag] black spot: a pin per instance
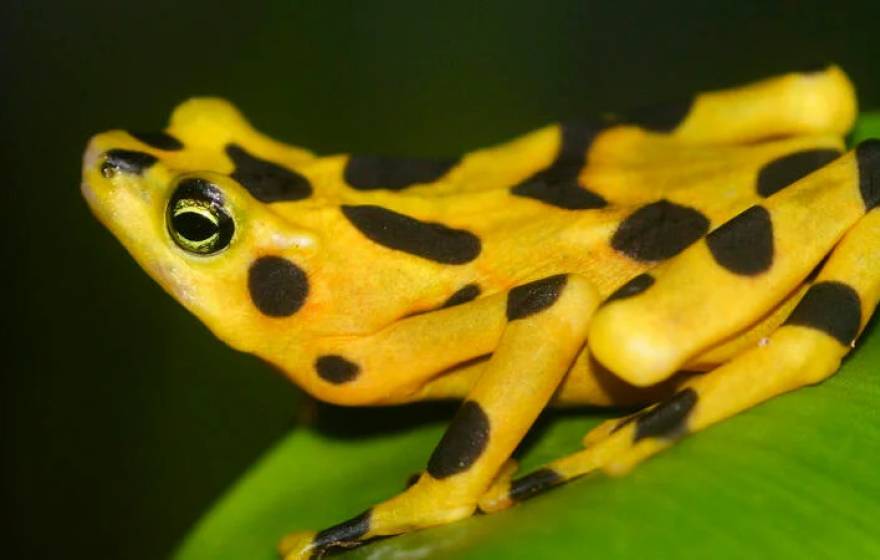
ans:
(566, 193)
(558, 184)
(831, 307)
(346, 533)
(868, 157)
(624, 423)
(278, 287)
(467, 293)
(658, 231)
(667, 419)
(663, 117)
(534, 483)
(785, 170)
(159, 140)
(265, 180)
(367, 173)
(634, 287)
(126, 161)
(533, 297)
(428, 240)
(817, 269)
(744, 244)
(336, 369)
(462, 444)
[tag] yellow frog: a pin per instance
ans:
(697, 258)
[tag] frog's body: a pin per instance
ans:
(372, 280)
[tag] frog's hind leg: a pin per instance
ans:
(797, 103)
(804, 350)
(547, 323)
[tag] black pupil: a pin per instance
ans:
(194, 226)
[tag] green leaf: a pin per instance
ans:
(798, 477)
(867, 127)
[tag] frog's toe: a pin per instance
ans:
(297, 546)
(497, 497)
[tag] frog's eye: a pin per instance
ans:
(197, 218)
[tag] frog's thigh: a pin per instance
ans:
(734, 276)
(547, 325)
(806, 349)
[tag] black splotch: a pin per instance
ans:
(462, 444)
(658, 231)
(566, 193)
(558, 184)
(744, 244)
(126, 161)
(367, 173)
(624, 423)
(831, 307)
(785, 170)
(533, 297)
(634, 287)
(428, 240)
(277, 286)
(465, 294)
(662, 117)
(264, 180)
(868, 157)
(343, 534)
(817, 269)
(336, 369)
(159, 140)
(667, 419)
(534, 483)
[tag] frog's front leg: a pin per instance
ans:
(547, 323)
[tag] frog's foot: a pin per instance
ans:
(804, 350)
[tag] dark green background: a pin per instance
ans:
(122, 417)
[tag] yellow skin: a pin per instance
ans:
(339, 270)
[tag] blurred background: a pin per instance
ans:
(122, 418)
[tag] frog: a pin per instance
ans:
(688, 261)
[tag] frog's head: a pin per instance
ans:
(189, 204)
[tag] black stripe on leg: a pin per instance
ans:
(533, 297)
(868, 158)
(744, 244)
(831, 307)
(667, 419)
(534, 483)
(463, 443)
(788, 169)
(634, 287)
(344, 535)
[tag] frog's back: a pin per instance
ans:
(382, 238)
